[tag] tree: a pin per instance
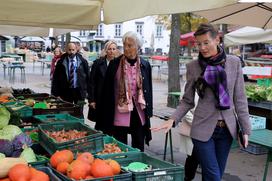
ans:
(189, 23)
(178, 23)
(173, 63)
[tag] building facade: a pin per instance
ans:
(156, 37)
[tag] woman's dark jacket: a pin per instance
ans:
(60, 83)
(97, 76)
(106, 116)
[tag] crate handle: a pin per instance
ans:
(50, 116)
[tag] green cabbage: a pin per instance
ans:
(29, 155)
(4, 117)
(2, 155)
(9, 132)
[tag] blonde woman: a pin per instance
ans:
(97, 76)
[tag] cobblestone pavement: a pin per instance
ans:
(241, 165)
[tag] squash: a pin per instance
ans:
(7, 163)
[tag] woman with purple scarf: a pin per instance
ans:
(218, 80)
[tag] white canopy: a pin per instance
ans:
(13, 30)
(248, 35)
(83, 14)
(123, 10)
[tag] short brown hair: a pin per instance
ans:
(205, 28)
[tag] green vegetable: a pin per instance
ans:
(9, 132)
(258, 93)
(29, 155)
(4, 117)
(2, 155)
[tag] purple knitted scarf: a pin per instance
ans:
(215, 77)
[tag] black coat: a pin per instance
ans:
(60, 82)
(106, 116)
(97, 76)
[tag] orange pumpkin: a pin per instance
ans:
(116, 168)
(61, 156)
(62, 167)
(86, 157)
(101, 169)
(78, 170)
(19, 172)
(37, 175)
(5, 179)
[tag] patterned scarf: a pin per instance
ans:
(125, 103)
(215, 77)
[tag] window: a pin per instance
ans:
(159, 30)
(118, 30)
(100, 30)
(139, 28)
(83, 33)
(3, 45)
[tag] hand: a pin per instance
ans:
(246, 139)
(167, 125)
(92, 104)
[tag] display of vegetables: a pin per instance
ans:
(259, 93)
(110, 148)
(20, 140)
(28, 154)
(9, 132)
(66, 135)
(6, 147)
(7, 163)
(4, 117)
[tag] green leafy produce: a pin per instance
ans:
(29, 155)
(257, 93)
(9, 132)
(4, 117)
(2, 156)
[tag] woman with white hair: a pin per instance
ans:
(97, 77)
(127, 96)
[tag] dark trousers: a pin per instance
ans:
(73, 96)
(136, 130)
(190, 167)
(213, 154)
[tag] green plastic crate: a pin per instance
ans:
(125, 148)
(123, 176)
(61, 108)
(47, 118)
(25, 111)
(41, 161)
(48, 171)
(264, 82)
(161, 170)
(93, 142)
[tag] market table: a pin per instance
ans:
(263, 137)
(43, 63)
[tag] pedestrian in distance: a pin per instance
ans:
(218, 80)
(56, 58)
(127, 95)
(71, 77)
(97, 76)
